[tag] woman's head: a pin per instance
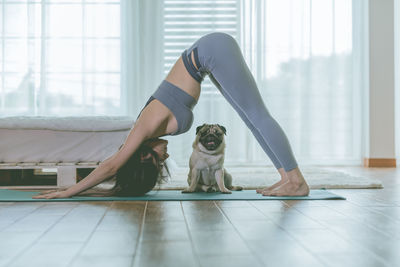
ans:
(142, 171)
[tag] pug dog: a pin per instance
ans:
(207, 172)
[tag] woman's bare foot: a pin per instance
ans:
(295, 186)
(283, 180)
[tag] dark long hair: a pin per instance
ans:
(137, 177)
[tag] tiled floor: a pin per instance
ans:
(363, 230)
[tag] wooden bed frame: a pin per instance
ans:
(66, 172)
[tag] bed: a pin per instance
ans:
(64, 143)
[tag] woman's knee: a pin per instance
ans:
(222, 36)
(220, 40)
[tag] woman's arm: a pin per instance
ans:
(98, 175)
(155, 120)
(105, 170)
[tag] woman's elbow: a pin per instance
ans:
(109, 168)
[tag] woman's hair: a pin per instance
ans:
(138, 176)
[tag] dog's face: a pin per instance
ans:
(210, 135)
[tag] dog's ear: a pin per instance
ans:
(199, 128)
(222, 128)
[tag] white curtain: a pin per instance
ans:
(305, 56)
(142, 52)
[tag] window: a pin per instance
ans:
(187, 21)
(60, 57)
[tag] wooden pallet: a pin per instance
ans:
(66, 171)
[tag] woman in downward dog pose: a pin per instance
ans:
(137, 165)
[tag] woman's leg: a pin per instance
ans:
(264, 146)
(222, 57)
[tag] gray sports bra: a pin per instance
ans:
(178, 101)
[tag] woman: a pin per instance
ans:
(169, 112)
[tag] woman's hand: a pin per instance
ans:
(52, 194)
(48, 191)
(98, 175)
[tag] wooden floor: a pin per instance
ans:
(363, 230)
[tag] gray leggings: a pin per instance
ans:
(219, 56)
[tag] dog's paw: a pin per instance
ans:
(211, 190)
(226, 192)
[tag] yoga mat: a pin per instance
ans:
(165, 195)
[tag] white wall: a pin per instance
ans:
(381, 80)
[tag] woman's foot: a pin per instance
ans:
(283, 180)
(296, 185)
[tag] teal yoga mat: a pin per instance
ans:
(166, 195)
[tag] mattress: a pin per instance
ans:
(61, 139)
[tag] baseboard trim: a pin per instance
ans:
(371, 162)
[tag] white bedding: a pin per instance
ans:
(61, 139)
(85, 124)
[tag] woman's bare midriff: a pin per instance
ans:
(181, 78)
